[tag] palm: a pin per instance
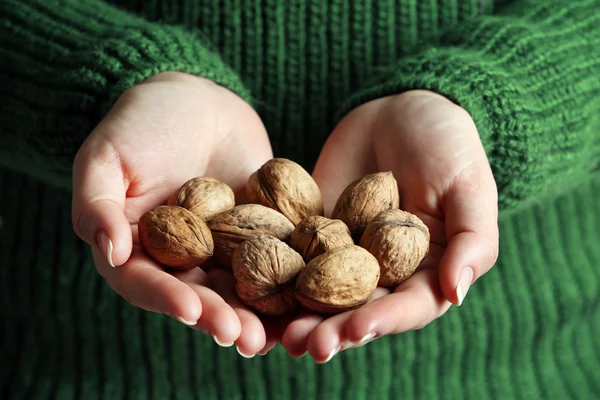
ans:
(157, 136)
(434, 151)
(429, 145)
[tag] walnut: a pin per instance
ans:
(316, 235)
(265, 268)
(205, 197)
(339, 280)
(366, 198)
(244, 222)
(399, 241)
(286, 187)
(175, 237)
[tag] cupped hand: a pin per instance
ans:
(433, 148)
(160, 133)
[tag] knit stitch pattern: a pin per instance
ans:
(527, 71)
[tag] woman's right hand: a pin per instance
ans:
(160, 133)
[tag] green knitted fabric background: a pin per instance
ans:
(527, 71)
(528, 330)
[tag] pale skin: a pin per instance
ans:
(175, 126)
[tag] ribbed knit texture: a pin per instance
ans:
(529, 74)
(529, 329)
(64, 63)
(530, 77)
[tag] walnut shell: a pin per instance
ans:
(205, 197)
(244, 222)
(264, 267)
(286, 187)
(399, 240)
(366, 198)
(175, 237)
(316, 235)
(339, 280)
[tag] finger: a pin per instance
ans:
(269, 345)
(295, 336)
(471, 209)
(346, 156)
(329, 337)
(252, 338)
(414, 304)
(144, 284)
(235, 147)
(433, 257)
(351, 339)
(218, 319)
(98, 202)
(274, 330)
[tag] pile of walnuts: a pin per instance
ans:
(283, 252)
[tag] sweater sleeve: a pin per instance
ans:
(65, 62)
(529, 75)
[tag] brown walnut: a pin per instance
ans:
(175, 237)
(399, 240)
(265, 268)
(285, 186)
(366, 198)
(339, 280)
(244, 222)
(316, 235)
(205, 197)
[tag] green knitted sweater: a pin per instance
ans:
(527, 71)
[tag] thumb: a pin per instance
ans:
(346, 156)
(98, 204)
(471, 210)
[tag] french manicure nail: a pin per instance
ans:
(264, 352)
(298, 355)
(330, 356)
(464, 283)
(363, 340)
(185, 322)
(217, 341)
(242, 354)
(106, 246)
(346, 344)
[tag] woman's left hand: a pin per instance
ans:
(433, 148)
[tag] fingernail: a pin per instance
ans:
(264, 352)
(346, 344)
(242, 354)
(363, 340)
(217, 341)
(106, 246)
(464, 283)
(298, 355)
(330, 356)
(185, 322)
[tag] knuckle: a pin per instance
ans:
(426, 319)
(125, 294)
(422, 324)
(493, 248)
(76, 224)
(119, 285)
(119, 288)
